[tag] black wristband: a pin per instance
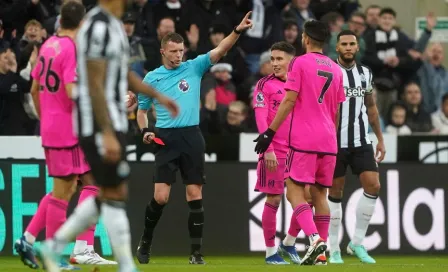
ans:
(270, 132)
(144, 130)
(236, 31)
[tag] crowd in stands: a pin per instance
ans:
(411, 85)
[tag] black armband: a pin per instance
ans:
(236, 31)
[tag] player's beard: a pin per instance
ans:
(348, 59)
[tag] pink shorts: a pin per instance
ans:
(308, 168)
(63, 162)
(271, 182)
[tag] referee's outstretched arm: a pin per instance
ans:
(225, 45)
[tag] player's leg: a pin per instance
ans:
(365, 166)
(302, 172)
(335, 194)
(153, 212)
(24, 245)
(191, 165)
(84, 252)
(113, 193)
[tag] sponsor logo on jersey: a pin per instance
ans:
(355, 92)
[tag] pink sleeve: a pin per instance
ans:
(293, 81)
(35, 73)
(341, 91)
(69, 67)
(261, 104)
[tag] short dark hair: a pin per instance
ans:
(444, 98)
(388, 11)
(372, 7)
(358, 14)
(171, 37)
(331, 17)
(288, 23)
(285, 47)
(72, 13)
(166, 18)
(317, 31)
(346, 32)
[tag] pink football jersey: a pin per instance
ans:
(268, 95)
(319, 84)
(55, 68)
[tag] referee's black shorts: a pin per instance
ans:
(105, 174)
(184, 150)
(360, 159)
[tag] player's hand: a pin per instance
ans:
(271, 161)
(380, 152)
(264, 140)
(169, 105)
(147, 137)
(131, 99)
(246, 23)
(112, 148)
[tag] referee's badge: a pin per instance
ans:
(183, 86)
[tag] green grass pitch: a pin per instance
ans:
(233, 264)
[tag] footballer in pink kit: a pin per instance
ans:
(314, 90)
(54, 78)
(271, 169)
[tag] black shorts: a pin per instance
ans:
(105, 174)
(184, 150)
(360, 159)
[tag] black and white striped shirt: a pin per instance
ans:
(353, 122)
(102, 37)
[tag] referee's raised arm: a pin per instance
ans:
(225, 45)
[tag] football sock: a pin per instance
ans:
(88, 237)
(304, 217)
(37, 223)
(56, 215)
(269, 223)
(117, 225)
(364, 212)
(322, 224)
(294, 230)
(85, 215)
(152, 216)
(196, 224)
(335, 223)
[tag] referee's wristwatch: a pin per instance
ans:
(237, 31)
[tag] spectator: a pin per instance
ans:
(145, 24)
(357, 24)
(152, 48)
(397, 120)
(52, 24)
(387, 55)
(136, 52)
(293, 35)
(299, 11)
(334, 21)
(175, 9)
(4, 43)
(417, 118)
(218, 80)
(440, 117)
(321, 8)
(248, 86)
(433, 78)
(13, 118)
(234, 57)
(372, 17)
(33, 33)
(267, 30)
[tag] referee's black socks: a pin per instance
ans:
(196, 224)
(152, 215)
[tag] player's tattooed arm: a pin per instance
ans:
(96, 70)
(35, 94)
(284, 109)
(373, 115)
(338, 116)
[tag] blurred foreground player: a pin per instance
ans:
(313, 93)
(184, 146)
(355, 149)
(54, 79)
(271, 168)
(103, 53)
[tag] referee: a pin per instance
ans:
(184, 145)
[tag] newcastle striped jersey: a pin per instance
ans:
(102, 37)
(353, 122)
